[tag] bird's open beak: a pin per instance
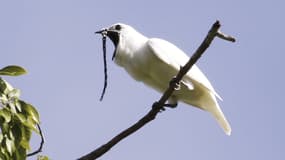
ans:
(102, 31)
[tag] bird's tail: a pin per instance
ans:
(216, 111)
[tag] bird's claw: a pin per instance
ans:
(173, 82)
(170, 105)
(155, 106)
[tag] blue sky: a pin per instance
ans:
(54, 40)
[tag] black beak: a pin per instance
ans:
(103, 31)
(113, 35)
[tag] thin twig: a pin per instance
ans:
(41, 144)
(157, 106)
(225, 37)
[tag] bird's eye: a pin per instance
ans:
(118, 27)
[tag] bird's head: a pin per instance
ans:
(115, 31)
(122, 36)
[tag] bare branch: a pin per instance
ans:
(225, 37)
(41, 144)
(158, 106)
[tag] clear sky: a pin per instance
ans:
(54, 40)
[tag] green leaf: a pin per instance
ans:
(26, 136)
(12, 71)
(14, 93)
(5, 128)
(3, 154)
(13, 108)
(17, 133)
(10, 146)
(5, 114)
(18, 105)
(3, 86)
(41, 157)
(31, 111)
(25, 144)
(21, 154)
(22, 117)
(31, 125)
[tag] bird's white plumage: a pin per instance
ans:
(176, 58)
(155, 61)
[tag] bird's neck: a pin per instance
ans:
(128, 46)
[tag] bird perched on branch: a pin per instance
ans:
(155, 62)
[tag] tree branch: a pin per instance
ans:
(41, 144)
(225, 37)
(158, 106)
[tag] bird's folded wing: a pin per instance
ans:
(176, 58)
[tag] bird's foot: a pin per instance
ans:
(168, 105)
(173, 82)
(155, 106)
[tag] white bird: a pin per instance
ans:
(155, 62)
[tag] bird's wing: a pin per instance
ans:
(176, 58)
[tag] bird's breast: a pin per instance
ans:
(128, 58)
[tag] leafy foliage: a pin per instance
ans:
(41, 157)
(18, 119)
(12, 71)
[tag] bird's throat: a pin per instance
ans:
(115, 37)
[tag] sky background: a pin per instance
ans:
(54, 40)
